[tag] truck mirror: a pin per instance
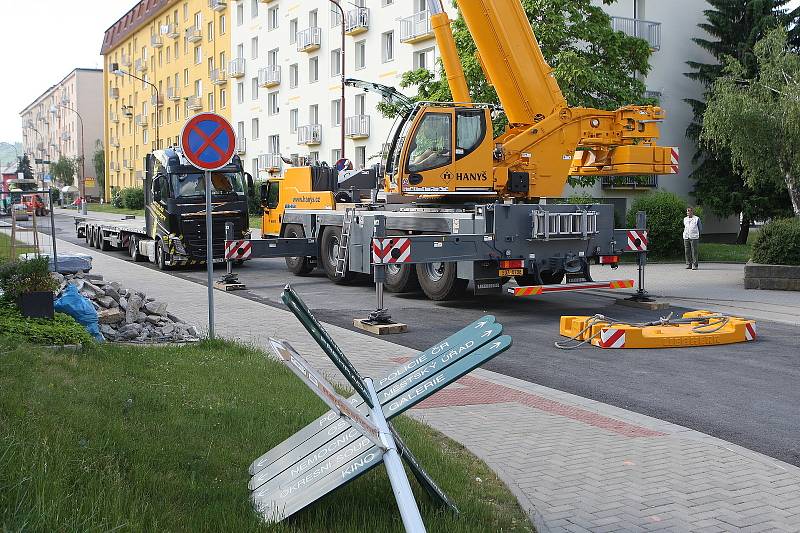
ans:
(264, 194)
(250, 185)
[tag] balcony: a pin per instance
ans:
(113, 166)
(65, 100)
(270, 162)
(241, 146)
(156, 41)
(65, 135)
(309, 39)
(113, 117)
(125, 60)
(416, 28)
(356, 21)
(113, 141)
(643, 29)
(127, 164)
(629, 182)
(218, 5)
(156, 100)
(140, 175)
(170, 30)
(310, 134)
(141, 65)
(194, 103)
(173, 94)
(236, 67)
(219, 76)
(193, 34)
(127, 112)
(269, 76)
(141, 120)
(356, 127)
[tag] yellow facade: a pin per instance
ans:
(181, 47)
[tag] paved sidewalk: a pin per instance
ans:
(575, 464)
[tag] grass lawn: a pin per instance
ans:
(5, 247)
(160, 439)
(255, 222)
(108, 208)
(711, 252)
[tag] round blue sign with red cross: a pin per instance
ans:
(208, 141)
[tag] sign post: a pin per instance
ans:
(208, 141)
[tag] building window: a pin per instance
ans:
(272, 18)
(425, 59)
(312, 19)
(274, 143)
(272, 57)
(198, 55)
(293, 76)
(222, 23)
(336, 62)
(223, 98)
(254, 47)
(186, 77)
(198, 87)
(254, 128)
(387, 46)
(253, 8)
(313, 114)
(211, 31)
(254, 88)
(211, 101)
(360, 101)
(294, 116)
(335, 16)
(272, 103)
(361, 54)
(254, 162)
(292, 31)
(240, 92)
(239, 14)
(336, 112)
(313, 69)
(336, 154)
(361, 157)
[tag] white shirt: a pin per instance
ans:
(691, 227)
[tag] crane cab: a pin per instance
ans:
(299, 188)
(448, 152)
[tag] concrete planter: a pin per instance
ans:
(772, 277)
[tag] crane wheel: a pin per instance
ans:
(439, 281)
(299, 266)
(401, 278)
(329, 248)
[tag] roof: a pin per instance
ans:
(135, 18)
(52, 87)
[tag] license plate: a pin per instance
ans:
(511, 272)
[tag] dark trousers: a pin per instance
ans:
(690, 251)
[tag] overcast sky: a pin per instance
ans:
(41, 41)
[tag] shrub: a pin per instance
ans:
(116, 197)
(63, 329)
(778, 243)
(132, 198)
(20, 277)
(665, 213)
(254, 199)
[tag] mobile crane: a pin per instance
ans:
(445, 177)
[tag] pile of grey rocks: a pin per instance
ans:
(128, 315)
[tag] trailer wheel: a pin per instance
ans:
(87, 235)
(133, 249)
(299, 266)
(98, 237)
(329, 248)
(401, 278)
(161, 256)
(439, 281)
(104, 244)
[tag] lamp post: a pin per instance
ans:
(119, 72)
(82, 177)
(41, 139)
(341, 107)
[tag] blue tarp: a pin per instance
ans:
(80, 308)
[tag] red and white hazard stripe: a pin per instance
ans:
(675, 157)
(612, 338)
(750, 331)
(637, 240)
(238, 249)
(391, 250)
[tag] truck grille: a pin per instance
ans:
(194, 236)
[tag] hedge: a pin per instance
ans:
(63, 329)
(132, 198)
(778, 243)
(665, 214)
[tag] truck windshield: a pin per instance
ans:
(187, 185)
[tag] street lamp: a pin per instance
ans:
(341, 108)
(82, 177)
(119, 72)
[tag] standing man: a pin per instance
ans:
(691, 237)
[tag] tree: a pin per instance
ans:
(593, 64)
(24, 166)
(64, 170)
(734, 26)
(99, 161)
(758, 120)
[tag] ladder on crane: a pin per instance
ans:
(344, 241)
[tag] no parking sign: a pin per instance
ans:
(208, 141)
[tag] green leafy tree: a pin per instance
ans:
(734, 27)
(758, 120)
(99, 162)
(24, 166)
(64, 170)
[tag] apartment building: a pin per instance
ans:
(51, 124)
(164, 61)
(287, 96)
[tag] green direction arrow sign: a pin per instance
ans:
(284, 499)
(472, 332)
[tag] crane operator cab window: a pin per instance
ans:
(470, 130)
(432, 144)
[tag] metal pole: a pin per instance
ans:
(409, 512)
(82, 177)
(228, 237)
(53, 230)
(641, 223)
(209, 257)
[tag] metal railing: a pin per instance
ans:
(644, 29)
(170, 30)
(356, 127)
(356, 21)
(173, 93)
(113, 166)
(156, 41)
(219, 76)
(241, 145)
(309, 39)
(269, 76)
(629, 182)
(194, 103)
(270, 162)
(65, 136)
(125, 60)
(236, 67)
(156, 100)
(113, 141)
(113, 92)
(218, 5)
(193, 34)
(140, 120)
(141, 65)
(309, 134)
(416, 27)
(127, 163)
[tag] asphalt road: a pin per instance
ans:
(747, 394)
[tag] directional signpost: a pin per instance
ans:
(341, 445)
(208, 141)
